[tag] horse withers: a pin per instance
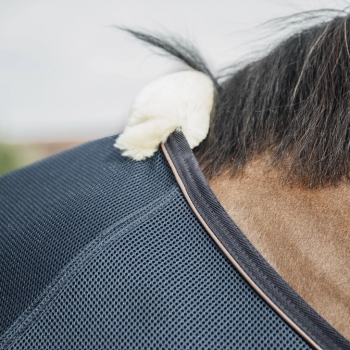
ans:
(240, 243)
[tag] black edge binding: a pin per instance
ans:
(239, 247)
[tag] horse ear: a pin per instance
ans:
(179, 101)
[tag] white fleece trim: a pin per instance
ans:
(181, 100)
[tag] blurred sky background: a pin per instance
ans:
(66, 75)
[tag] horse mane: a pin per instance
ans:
(291, 104)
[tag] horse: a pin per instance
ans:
(269, 183)
(277, 158)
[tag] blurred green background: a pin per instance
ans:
(16, 156)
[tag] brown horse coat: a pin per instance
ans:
(303, 233)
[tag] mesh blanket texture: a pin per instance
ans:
(101, 252)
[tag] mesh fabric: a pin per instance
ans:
(117, 260)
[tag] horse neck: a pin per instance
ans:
(304, 234)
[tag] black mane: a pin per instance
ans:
(292, 104)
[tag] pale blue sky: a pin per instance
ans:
(65, 74)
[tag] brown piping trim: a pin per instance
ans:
(232, 260)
